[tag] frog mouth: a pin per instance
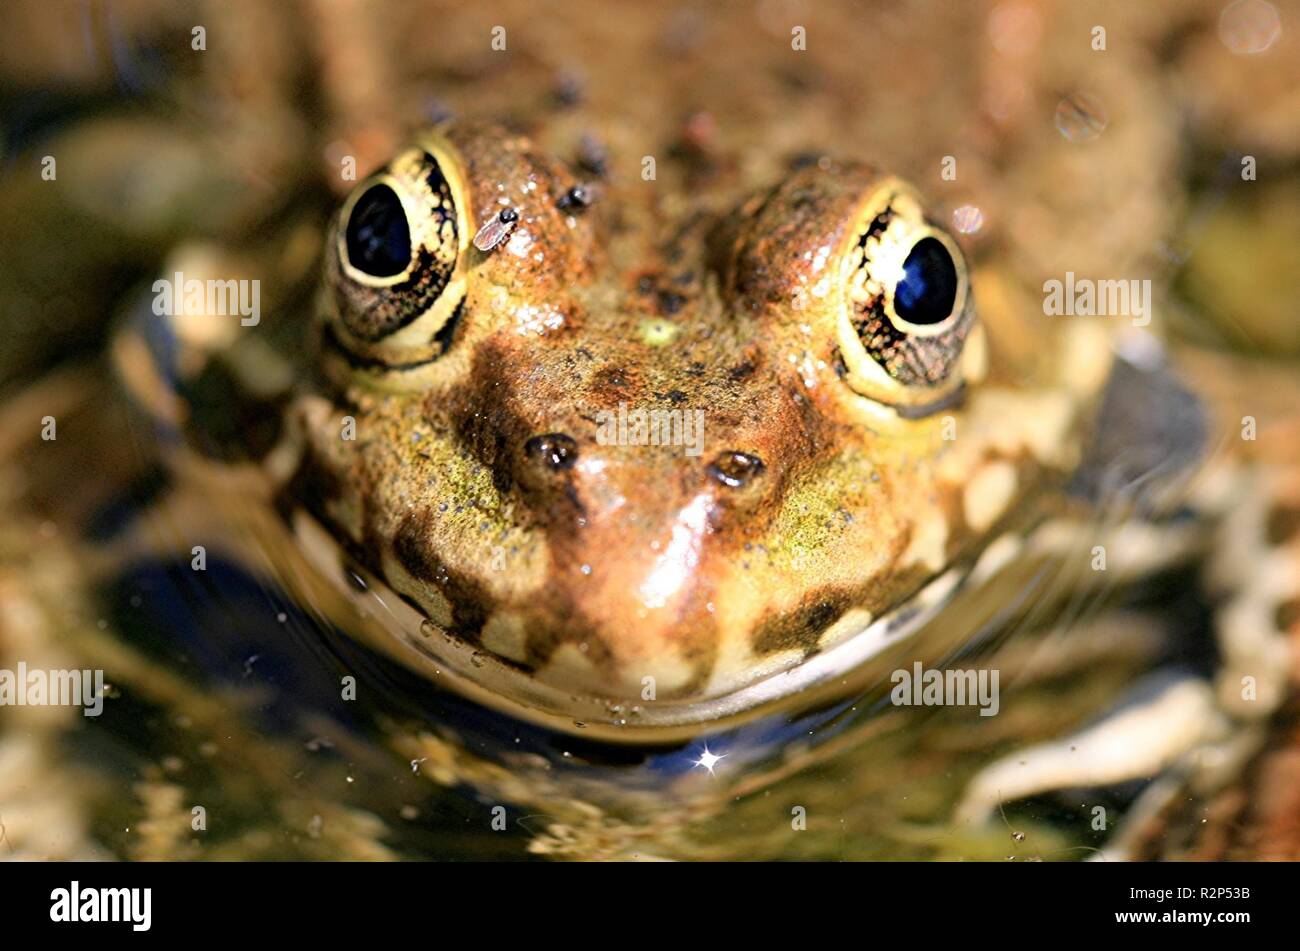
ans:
(860, 660)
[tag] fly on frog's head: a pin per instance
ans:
(678, 437)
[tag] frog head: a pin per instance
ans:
(660, 445)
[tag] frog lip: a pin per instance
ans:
(397, 628)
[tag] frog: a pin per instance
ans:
(617, 631)
(530, 343)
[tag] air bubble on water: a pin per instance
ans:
(1080, 117)
(968, 219)
(1247, 27)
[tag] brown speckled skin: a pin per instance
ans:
(635, 561)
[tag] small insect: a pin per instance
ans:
(496, 229)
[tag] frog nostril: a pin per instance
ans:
(735, 469)
(556, 451)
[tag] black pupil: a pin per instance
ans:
(928, 289)
(379, 239)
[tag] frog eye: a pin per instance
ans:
(395, 261)
(377, 237)
(907, 310)
(927, 291)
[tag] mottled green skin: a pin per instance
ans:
(635, 561)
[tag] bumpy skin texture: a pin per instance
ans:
(854, 508)
(621, 562)
(716, 286)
